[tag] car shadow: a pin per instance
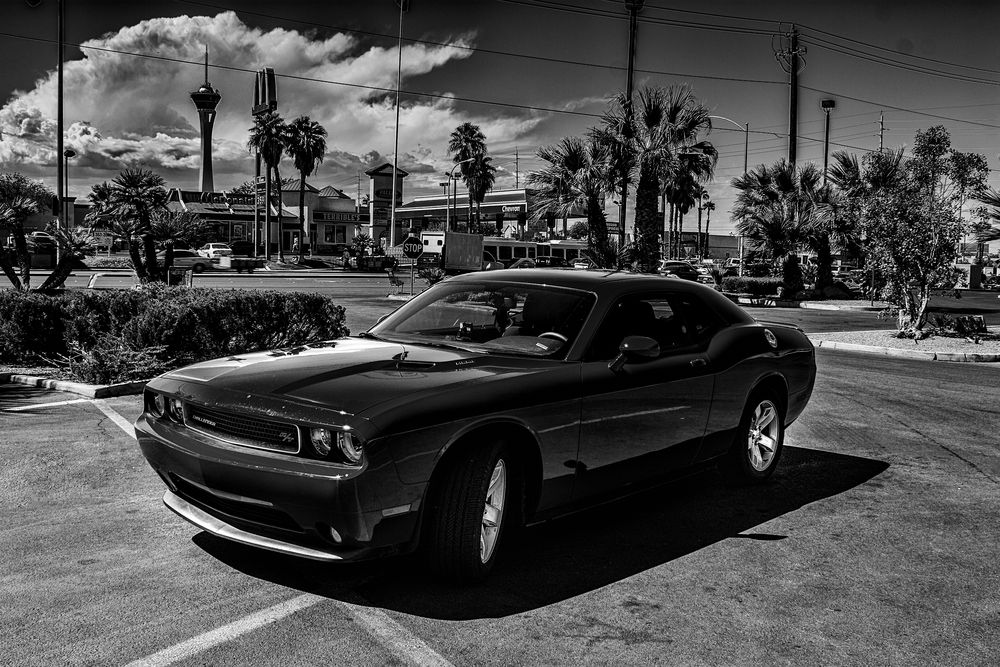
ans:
(575, 554)
(16, 395)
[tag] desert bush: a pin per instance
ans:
(31, 326)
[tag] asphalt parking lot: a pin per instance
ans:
(875, 544)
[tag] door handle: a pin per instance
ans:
(699, 362)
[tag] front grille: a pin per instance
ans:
(232, 510)
(244, 430)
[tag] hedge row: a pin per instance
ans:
(158, 326)
(751, 286)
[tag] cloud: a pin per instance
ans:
(124, 110)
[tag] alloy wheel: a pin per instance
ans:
(762, 436)
(493, 511)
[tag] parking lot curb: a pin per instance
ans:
(83, 389)
(967, 357)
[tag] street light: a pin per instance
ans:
(746, 139)
(451, 179)
(827, 106)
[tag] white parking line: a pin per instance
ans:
(205, 641)
(390, 634)
(25, 408)
(114, 416)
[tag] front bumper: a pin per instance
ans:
(281, 502)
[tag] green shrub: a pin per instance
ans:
(112, 360)
(158, 325)
(31, 326)
(751, 286)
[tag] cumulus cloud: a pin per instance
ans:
(124, 110)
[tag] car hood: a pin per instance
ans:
(351, 374)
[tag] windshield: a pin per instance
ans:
(502, 318)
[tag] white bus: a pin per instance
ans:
(507, 250)
(568, 249)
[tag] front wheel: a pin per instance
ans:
(759, 440)
(471, 512)
(198, 268)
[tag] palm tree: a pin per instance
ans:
(482, 176)
(307, 146)
(467, 145)
(169, 227)
(664, 124)
(709, 207)
(128, 203)
(269, 137)
(73, 246)
(777, 211)
(576, 177)
(20, 197)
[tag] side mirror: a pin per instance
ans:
(635, 349)
(381, 318)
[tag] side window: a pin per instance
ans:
(675, 321)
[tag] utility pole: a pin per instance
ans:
(789, 61)
(633, 7)
(61, 30)
(517, 180)
(793, 96)
(403, 6)
(881, 129)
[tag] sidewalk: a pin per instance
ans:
(884, 343)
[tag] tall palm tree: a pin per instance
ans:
(127, 203)
(663, 124)
(307, 146)
(777, 211)
(709, 207)
(467, 145)
(575, 176)
(269, 137)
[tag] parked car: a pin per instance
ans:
(40, 242)
(584, 263)
(523, 263)
(489, 400)
(215, 250)
(671, 267)
(188, 259)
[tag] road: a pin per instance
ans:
(364, 296)
(875, 543)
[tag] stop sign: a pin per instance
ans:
(412, 247)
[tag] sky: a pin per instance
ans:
(528, 72)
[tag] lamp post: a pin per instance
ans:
(746, 139)
(403, 6)
(451, 179)
(445, 186)
(827, 106)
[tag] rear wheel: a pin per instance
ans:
(472, 511)
(759, 440)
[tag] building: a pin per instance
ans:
(334, 219)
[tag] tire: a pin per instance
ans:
(472, 512)
(198, 268)
(759, 440)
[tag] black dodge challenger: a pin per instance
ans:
(489, 401)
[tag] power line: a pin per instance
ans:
(891, 106)
(474, 49)
(888, 62)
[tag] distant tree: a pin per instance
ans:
(307, 146)
(20, 197)
(171, 227)
(911, 219)
(269, 137)
(579, 230)
(709, 207)
(467, 144)
(575, 176)
(244, 188)
(127, 205)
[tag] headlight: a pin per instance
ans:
(175, 408)
(321, 439)
(349, 445)
(325, 440)
(157, 404)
